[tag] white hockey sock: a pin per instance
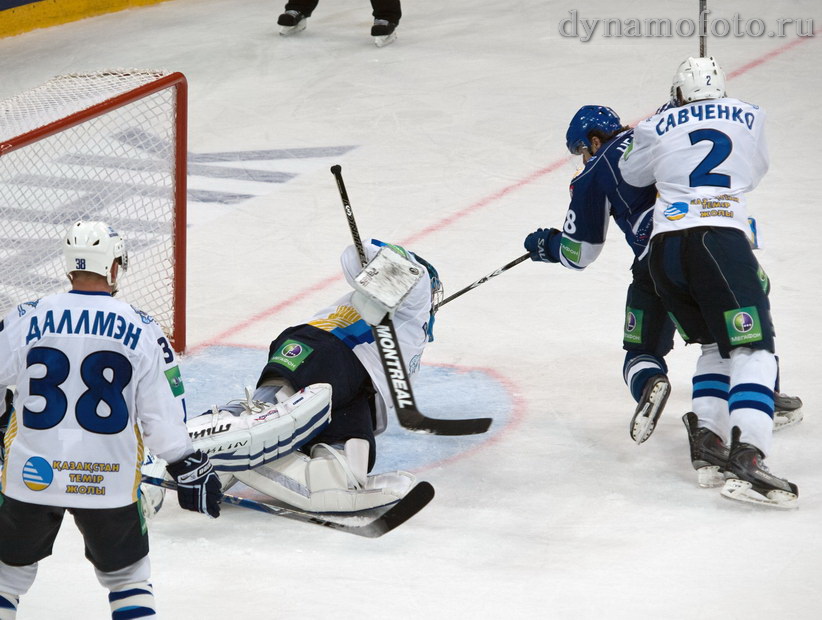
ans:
(710, 392)
(8, 606)
(134, 600)
(750, 400)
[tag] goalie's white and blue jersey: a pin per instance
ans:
(598, 192)
(411, 322)
(94, 380)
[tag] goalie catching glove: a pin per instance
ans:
(198, 487)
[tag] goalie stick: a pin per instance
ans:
(482, 280)
(385, 337)
(414, 501)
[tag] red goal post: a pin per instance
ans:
(111, 146)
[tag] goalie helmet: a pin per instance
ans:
(698, 78)
(587, 119)
(93, 247)
(437, 292)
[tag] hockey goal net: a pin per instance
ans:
(107, 146)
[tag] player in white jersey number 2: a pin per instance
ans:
(704, 155)
(94, 379)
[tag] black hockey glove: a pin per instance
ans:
(537, 244)
(198, 486)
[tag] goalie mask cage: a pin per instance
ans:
(107, 146)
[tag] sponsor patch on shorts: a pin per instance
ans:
(291, 354)
(743, 325)
(633, 325)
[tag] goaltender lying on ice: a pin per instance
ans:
(281, 440)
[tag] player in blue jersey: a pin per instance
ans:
(598, 193)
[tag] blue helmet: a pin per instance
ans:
(587, 119)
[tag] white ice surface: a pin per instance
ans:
(458, 152)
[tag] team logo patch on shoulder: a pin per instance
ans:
(676, 211)
(37, 473)
(26, 306)
(144, 317)
(291, 354)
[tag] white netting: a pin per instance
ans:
(118, 167)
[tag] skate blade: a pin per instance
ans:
(644, 421)
(784, 419)
(709, 477)
(742, 491)
(287, 31)
(385, 40)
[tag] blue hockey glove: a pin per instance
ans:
(198, 486)
(537, 244)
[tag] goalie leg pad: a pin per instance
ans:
(324, 483)
(269, 432)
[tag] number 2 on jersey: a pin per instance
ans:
(720, 150)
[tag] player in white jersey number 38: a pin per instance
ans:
(94, 379)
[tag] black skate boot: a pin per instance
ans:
(291, 22)
(709, 454)
(649, 408)
(383, 32)
(747, 478)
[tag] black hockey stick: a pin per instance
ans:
(414, 501)
(516, 261)
(385, 337)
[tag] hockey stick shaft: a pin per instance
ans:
(416, 499)
(482, 280)
(703, 28)
(336, 170)
(388, 347)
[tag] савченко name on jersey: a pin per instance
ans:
(703, 112)
(84, 323)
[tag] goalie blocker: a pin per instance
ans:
(383, 284)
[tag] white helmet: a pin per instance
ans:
(698, 78)
(93, 247)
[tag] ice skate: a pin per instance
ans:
(747, 478)
(292, 22)
(709, 454)
(787, 411)
(649, 408)
(384, 32)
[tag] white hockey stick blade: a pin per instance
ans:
(743, 491)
